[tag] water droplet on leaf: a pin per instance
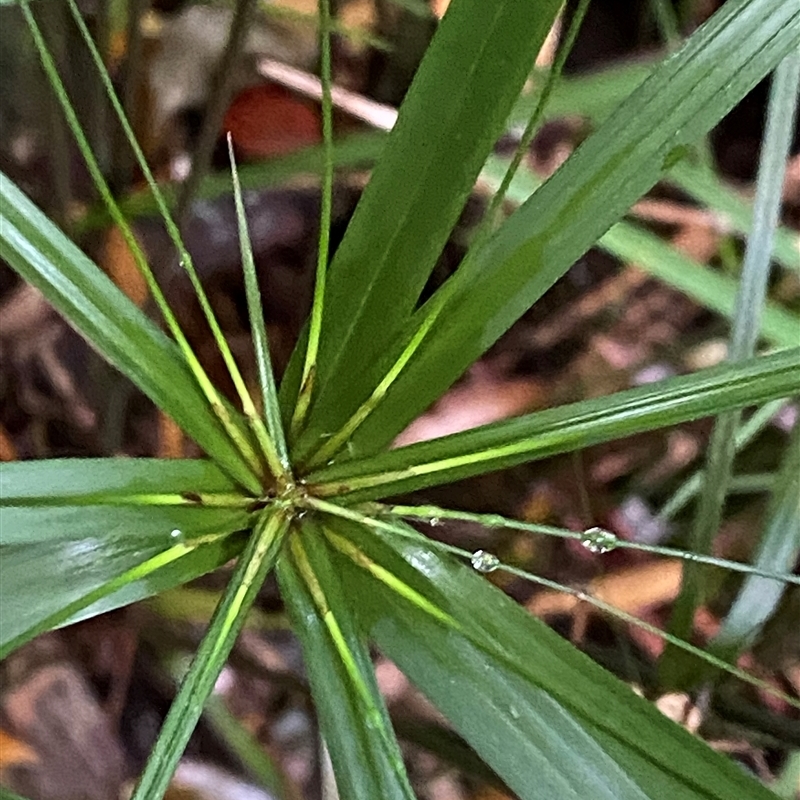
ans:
(597, 540)
(176, 535)
(484, 562)
(434, 521)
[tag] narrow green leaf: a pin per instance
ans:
(453, 113)
(675, 668)
(87, 298)
(308, 377)
(243, 443)
(778, 549)
(435, 515)
(56, 557)
(562, 429)
(252, 567)
(271, 437)
(679, 103)
(95, 481)
(355, 723)
(548, 720)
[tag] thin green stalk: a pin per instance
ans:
(434, 515)
(172, 229)
(210, 391)
(323, 251)
(744, 435)
(251, 569)
(491, 217)
(583, 596)
(270, 436)
(218, 102)
(750, 302)
(336, 442)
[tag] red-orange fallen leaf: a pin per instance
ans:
(268, 120)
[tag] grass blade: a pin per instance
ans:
(315, 326)
(353, 716)
(486, 562)
(338, 440)
(563, 429)
(553, 725)
(752, 292)
(778, 549)
(174, 234)
(435, 514)
(271, 437)
(91, 303)
(419, 188)
(682, 99)
(122, 481)
(251, 569)
(106, 547)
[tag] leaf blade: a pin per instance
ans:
(354, 719)
(571, 713)
(562, 429)
(86, 297)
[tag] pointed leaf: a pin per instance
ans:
(60, 481)
(87, 298)
(548, 720)
(680, 102)
(455, 110)
(60, 559)
(355, 723)
(563, 429)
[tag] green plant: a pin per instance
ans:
(296, 488)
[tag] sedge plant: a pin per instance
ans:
(301, 481)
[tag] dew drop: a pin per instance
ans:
(514, 711)
(597, 540)
(484, 562)
(176, 535)
(434, 522)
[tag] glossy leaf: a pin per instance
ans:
(456, 108)
(252, 567)
(79, 290)
(681, 101)
(548, 720)
(62, 481)
(55, 557)
(562, 429)
(354, 720)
